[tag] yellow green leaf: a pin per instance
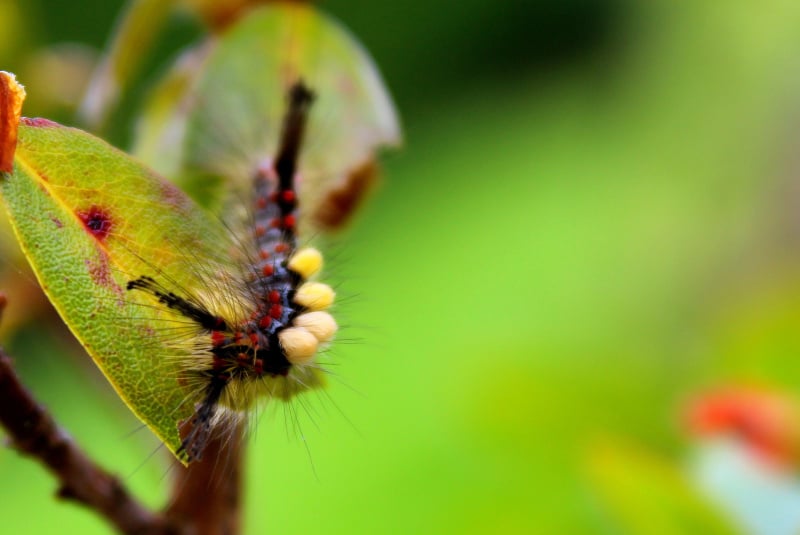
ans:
(90, 219)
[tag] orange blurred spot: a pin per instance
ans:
(765, 421)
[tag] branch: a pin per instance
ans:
(206, 497)
(34, 433)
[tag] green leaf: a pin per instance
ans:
(90, 219)
(232, 112)
(647, 495)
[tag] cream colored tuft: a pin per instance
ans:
(299, 345)
(320, 324)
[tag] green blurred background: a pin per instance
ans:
(594, 218)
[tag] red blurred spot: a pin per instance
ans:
(274, 296)
(764, 421)
(97, 222)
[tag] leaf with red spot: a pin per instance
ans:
(90, 219)
(230, 133)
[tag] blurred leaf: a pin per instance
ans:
(218, 14)
(56, 77)
(15, 35)
(132, 40)
(231, 133)
(161, 128)
(754, 331)
(90, 219)
(647, 495)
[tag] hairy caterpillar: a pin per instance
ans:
(270, 351)
(192, 324)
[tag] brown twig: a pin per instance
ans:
(206, 498)
(207, 495)
(34, 433)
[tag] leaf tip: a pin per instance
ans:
(12, 95)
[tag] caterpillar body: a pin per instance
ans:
(270, 351)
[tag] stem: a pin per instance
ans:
(206, 497)
(34, 432)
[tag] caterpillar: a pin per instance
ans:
(194, 323)
(270, 352)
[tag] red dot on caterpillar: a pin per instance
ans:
(217, 338)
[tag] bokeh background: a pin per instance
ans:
(574, 300)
